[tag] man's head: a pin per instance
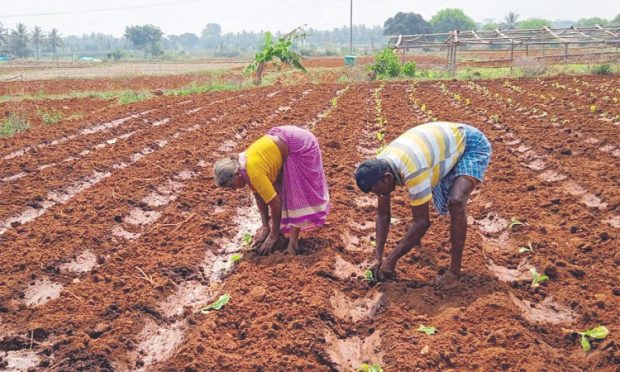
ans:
(227, 174)
(375, 176)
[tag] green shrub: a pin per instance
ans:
(386, 64)
(604, 69)
(12, 124)
(408, 69)
(50, 117)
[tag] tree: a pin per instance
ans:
(533, 23)
(211, 35)
(406, 24)
(188, 40)
(491, 26)
(19, 40)
(54, 41)
(615, 21)
(145, 38)
(510, 20)
(281, 49)
(587, 22)
(451, 19)
(37, 38)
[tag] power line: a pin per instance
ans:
(102, 10)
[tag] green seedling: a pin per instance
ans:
(368, 275)
(423, 108)
(598, 333)
(525, 249)
(247, 239)
(593, 109)
(495, 118)
(537, 278)
(514, 221)
(380, 135)
(235, 257)
(217, 305)
(370, 368)
(428, 330)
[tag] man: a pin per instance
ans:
(439, 161)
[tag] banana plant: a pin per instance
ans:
(281, 49)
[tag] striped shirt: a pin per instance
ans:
(423, 155)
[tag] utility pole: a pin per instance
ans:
(351, 29)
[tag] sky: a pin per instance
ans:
(76, 17)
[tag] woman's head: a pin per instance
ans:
(227, 174)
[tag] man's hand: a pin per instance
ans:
(267, 245)
(375, 268)
(260, 237)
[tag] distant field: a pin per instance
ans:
(47, 70)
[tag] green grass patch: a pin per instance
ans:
(204, 88)
(131, 96)
(50, 117)
(14, 123)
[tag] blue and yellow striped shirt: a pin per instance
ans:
(423, 155)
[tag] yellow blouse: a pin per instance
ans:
(263, 164)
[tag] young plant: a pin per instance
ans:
(597, 333)
(514, 222)
(369, 276)
(370, 368)
(217, 305)
(247, 239)
(593, 109)
(537, 278)
(525, 249)
(235, 257)
(428, 330)
(495, 118)
(381, 135)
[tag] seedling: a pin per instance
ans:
(537, 278)
(428, 330)
(598, 333)
(217, 305)
(370, 368)
(380, 135)
(235, 257)
(593, 109)
(495, 118)
(423, 108)
(369, 276)
(525, 249)
(247, 239)
(514, 221)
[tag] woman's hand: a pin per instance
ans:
(260, 236)
(268, 244)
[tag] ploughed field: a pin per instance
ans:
(113, 236)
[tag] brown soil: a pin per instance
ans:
(113, 236)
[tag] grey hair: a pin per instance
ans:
(225, 171)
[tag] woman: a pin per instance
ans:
(285, 172)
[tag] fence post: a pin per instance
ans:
(454, 60)
(565, 53)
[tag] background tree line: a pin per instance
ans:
(150, 41)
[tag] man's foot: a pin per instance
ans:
(448, 280)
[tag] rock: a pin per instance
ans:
(258, 293)
(616, 291)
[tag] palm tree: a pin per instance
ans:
(37, 38)
(54, 41)
(510, 20)
(19, 40)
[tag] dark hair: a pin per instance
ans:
(370, 172)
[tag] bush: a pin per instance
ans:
(408, 69)
(386, 64)
(604, 69)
